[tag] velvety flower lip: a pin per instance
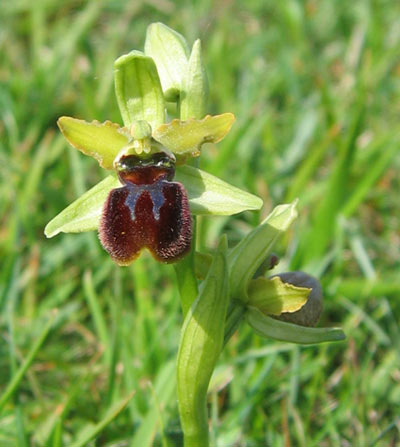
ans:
(148, 211)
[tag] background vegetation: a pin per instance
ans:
(315, 87)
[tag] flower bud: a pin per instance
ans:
(310, 313)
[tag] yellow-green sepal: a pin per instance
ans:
(138, 89)
(209, 195)
(273, 296)
(170, 53)
(194, 92)
(101, 141)
(84, 213)
(187, 137)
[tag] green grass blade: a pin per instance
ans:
(18, 376)
(96, 312)
(112, 413)
(164, 387)
(384, 154)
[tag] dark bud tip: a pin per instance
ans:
(270, 262)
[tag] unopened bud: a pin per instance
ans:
(310, 313)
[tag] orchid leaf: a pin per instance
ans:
(138, 89)
(101, 141)
(271, 328)
(170, 52)
(207, 195)
(202, 264)
(273, 296)
(187, 137)
(248, 255)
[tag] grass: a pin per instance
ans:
(314, 86)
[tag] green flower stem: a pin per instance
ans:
(201, 343)
(185, 269)
(197, 438)
(186, 277)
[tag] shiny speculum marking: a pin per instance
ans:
(156, 195)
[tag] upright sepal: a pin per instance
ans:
(193, 97)
(138, 89)
(101, 141)
(187, 137)
(170, 52)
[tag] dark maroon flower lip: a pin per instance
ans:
(148, 211)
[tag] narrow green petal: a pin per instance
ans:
(211, 195)
(138, 89)
(170, 52)
(273, 296)
(271, 328)
(248, 255)
(187, 137)
(83, 214)
(101, 141)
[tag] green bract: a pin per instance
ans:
(269, 327)
(248, 255)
